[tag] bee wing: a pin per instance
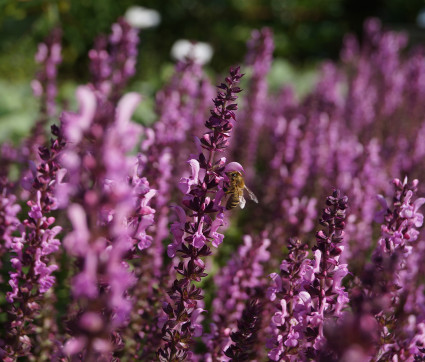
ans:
(242, 201)
(251, 195)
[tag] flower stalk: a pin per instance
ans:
(198, 225)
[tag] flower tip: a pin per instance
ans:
(398, 183)
(126, 107)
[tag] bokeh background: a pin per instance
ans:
(306, 32)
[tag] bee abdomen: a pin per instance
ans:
(232, 202)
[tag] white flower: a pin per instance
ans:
(200, 52)
(140, 17)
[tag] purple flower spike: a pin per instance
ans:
(113, 66)
(198, 224)
(33, 253)
(259, 57)
(109, 209)
(311, 290)
(44, 86)
(397, 253)
(387, 310)
(244, 340)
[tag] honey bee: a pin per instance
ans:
(236, 189)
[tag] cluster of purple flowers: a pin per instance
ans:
(117, 241)
(309, 291)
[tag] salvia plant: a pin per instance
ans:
(119, 242)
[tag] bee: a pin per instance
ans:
(236, 189)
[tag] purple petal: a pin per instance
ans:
(234, 166)
(126, 107)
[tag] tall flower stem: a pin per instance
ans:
(198, 225)
(33, 252)
(109, 211)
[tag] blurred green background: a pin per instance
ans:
(305, 31)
